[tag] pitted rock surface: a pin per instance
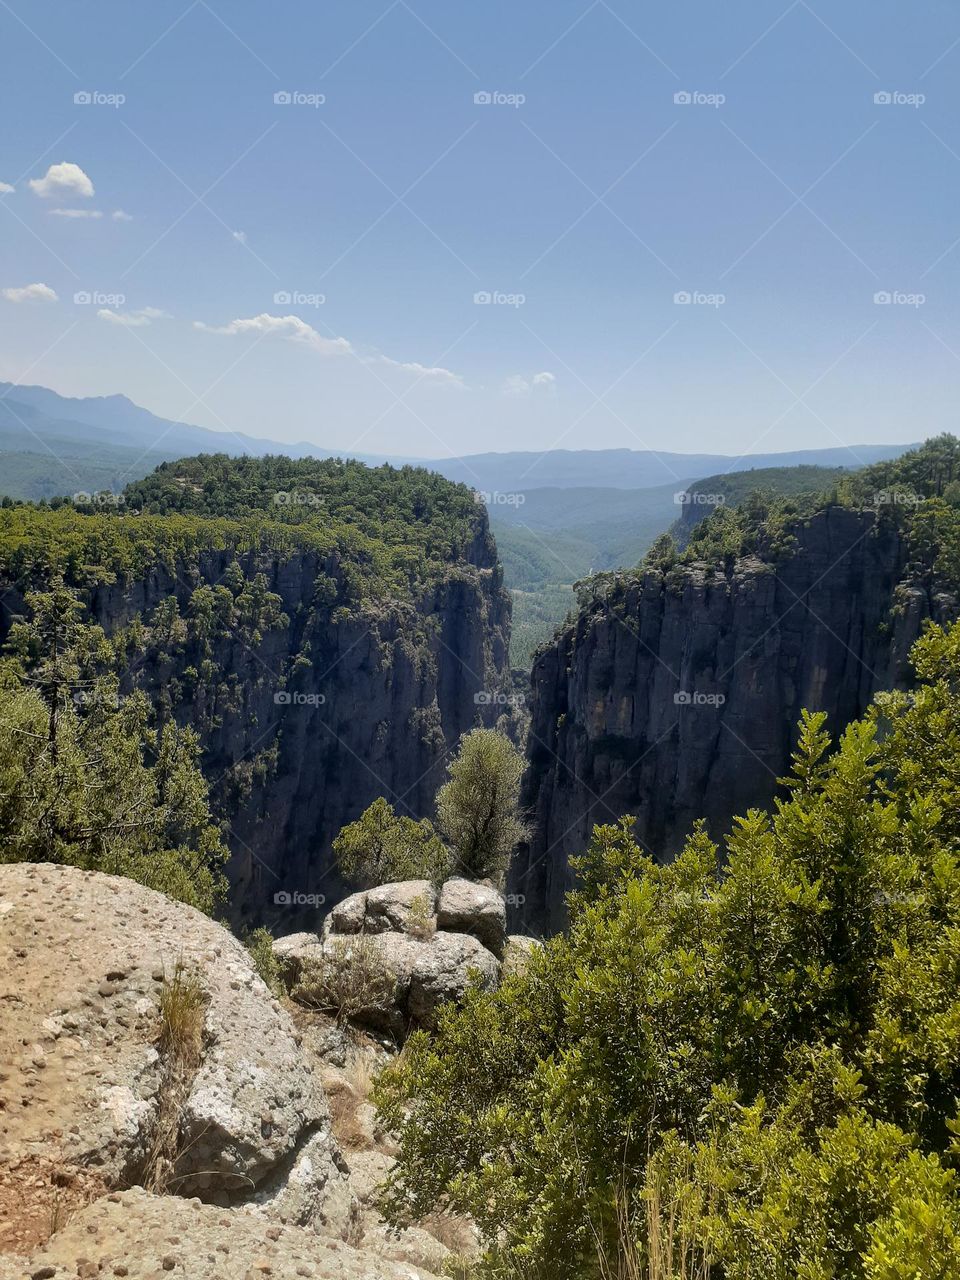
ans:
(143, 1237)
(83, 959)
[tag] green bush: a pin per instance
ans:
(759, 1045)
(381, 847)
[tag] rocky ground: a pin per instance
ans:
(162, 1112)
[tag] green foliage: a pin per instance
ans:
(761, 1047)
(478, 809)
(86, 779)
(394, 531)
(259, 942)
(381, 847)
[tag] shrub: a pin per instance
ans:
(745, 1063)
(260, 945)
(349, 980)
(381, 847)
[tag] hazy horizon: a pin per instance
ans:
(405, 230)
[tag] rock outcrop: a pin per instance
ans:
(144, 1236)
(676, 696)
(88, 965)
(393, 955)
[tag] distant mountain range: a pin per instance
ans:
(52, 444)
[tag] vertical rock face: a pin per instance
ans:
(304, 723)
(677, 697)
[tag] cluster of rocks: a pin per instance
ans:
(275, 1157)
(420, 947)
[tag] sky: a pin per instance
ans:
(432, 229)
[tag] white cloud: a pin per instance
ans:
(241, 236)
(518, 385)
(133, 319)
(62, 180)
(6, 189)
(76, 213)
(296, 330)
(31, 293)
(119, 215)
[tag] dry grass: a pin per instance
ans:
(183, 1004)
(351, 1089)
(349, 980)
(421, 921)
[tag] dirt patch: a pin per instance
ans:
(38, 1197)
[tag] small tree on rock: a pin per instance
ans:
(478, 810)
(382, 846)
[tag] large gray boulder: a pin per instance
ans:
(393, 981)
(478, 909)
(405, 907)
(84, 961)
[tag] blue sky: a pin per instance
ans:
(782, 199)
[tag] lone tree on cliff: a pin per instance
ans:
(478, 810)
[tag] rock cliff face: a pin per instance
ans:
(305, 721)
(677, 696)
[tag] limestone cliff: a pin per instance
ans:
(675, 695)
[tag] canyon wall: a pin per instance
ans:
(676, 696)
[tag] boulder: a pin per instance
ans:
(445, 965)
(389, 981)
(290, 951)
(84, 961)
(517, 951)
(143, 1236)
(402, 907)
(477, 909)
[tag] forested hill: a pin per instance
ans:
(327, 630)
(674, 692)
